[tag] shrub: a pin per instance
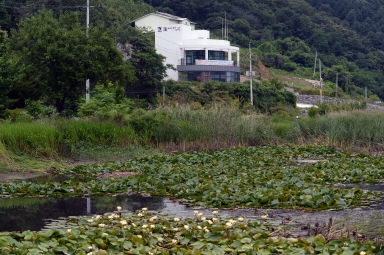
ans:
(312, 112)
(17, 115)
(106, 102)
(37, 110)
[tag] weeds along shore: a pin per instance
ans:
(187, 128)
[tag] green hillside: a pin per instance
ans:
(348, 34)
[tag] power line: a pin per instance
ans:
(52, 7)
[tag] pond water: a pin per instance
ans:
(20, 214)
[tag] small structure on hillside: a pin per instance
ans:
(195, 56)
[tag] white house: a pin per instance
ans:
(152, 20)
(194, 55)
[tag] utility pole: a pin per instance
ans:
(347, 86)
(87, 86)
(227, 30)
(222, 29)
(337, 83)
(250, 73)
(366, 94)
(314, 69)
(225, 25)
(321, 84)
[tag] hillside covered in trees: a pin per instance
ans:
(348, 34)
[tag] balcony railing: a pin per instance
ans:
(201, 62)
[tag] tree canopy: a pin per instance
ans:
(57, 57)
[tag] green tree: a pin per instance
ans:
(241, 25)
(148, 66)
(57, 57)
(7, 73)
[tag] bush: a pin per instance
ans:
(267, 94)
(106, 102)
(289, 66)
(37, 110)
(17, 115)
(312, 112)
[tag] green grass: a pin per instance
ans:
(180, 127)
(347, 128)
(35, 138)
(73, 132)
(217, 124)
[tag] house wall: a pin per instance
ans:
(152, 21)
(168, 41)
(172, 41)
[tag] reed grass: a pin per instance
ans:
(352, 127)
(218, 126)
(34, 138)
(223, 124)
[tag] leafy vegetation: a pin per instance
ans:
(59, 57)
(189, 127)
(151, 233)
(53, 68)
(267, 94)
(244, 177)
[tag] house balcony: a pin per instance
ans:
(208, 66)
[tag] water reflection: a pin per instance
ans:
(19, 214)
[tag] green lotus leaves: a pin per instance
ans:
(264, 177)
(151, 233)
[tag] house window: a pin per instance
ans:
(216, 55)
(192, 55)
(210, 76)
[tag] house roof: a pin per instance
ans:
(164, 15)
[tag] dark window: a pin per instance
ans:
(210, 76)
(192, 55)
(216, 55)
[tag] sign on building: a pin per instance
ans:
(201, 62)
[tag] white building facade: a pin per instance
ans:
(194, 56)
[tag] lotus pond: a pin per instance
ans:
(262, 177)
(152, 233)
(271, 179)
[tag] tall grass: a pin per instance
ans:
(95, 133)
(220, 124)
(181, 125)
(356, 127)
(36, 138)
(55, 138)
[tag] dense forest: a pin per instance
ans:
(348, 34)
